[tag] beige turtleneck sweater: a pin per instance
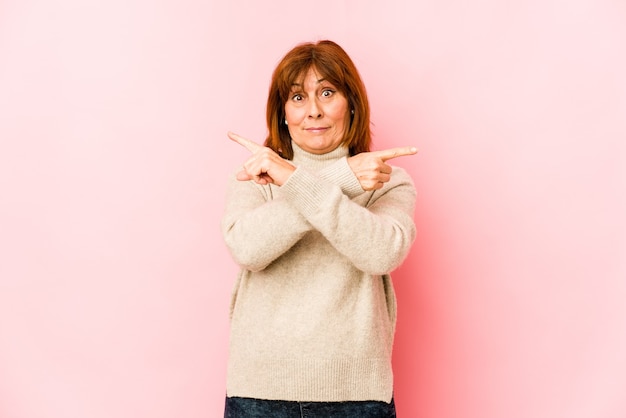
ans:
(313, 309)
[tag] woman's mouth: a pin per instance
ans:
(316, 129)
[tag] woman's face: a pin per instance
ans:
(316, 114)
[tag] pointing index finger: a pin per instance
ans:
(244, 142)
(396, 152)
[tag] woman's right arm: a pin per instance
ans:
(258, 227)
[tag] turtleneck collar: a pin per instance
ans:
(317, 161)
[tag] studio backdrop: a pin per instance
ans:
(115, 281)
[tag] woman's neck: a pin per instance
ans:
(317, 161)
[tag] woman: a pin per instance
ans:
(316, 223)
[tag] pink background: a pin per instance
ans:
(114, 281)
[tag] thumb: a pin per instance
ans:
(243, 176)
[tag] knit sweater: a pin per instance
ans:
(313, 309)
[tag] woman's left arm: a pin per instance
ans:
(375, 230)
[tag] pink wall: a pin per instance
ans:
(114, 281)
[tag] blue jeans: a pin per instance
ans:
(261, 408)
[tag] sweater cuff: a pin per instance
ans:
(342, 175)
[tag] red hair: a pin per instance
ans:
(332, 63)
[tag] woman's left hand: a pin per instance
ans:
(264, 166)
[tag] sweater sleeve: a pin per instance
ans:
(375, 234)
(257, 226)
(342, 175)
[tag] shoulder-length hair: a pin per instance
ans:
(333, 64)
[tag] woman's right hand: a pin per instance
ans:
(264, 166)
(370, 168)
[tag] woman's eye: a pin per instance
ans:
(296, 97)
(327, 93)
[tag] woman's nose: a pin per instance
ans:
(315, 110)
